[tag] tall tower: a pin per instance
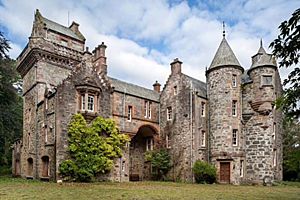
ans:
(263, 130)
(49, 57)
(225, 128)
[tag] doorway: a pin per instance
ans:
(224, 172)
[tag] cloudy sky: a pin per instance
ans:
(144, 36)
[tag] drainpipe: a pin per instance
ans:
(208, 118)
(191, 128)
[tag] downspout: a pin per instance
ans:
(123, 110)
(191, 128)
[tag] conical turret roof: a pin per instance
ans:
(224, 56)
(262, 58)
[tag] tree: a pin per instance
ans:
(286, 47)
(160, 163)
(92, 148)
(10, 104)
(291, 150)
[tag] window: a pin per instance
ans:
(129, 114)
(175, 90)
(241, 168)
(146, 109)
(234, 137)
(267, 80)
(28, 140)
(149, 110)
(46, 134)
(202, 109)
(90, 103)
(168, 141)
(123, 166)
(169, 113)
(149, 144)
(234, 108)
(202, 139)
(233, 80)
(82, 102)
(64, 42)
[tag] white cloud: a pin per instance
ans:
(143, 36)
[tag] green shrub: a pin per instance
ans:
(204, 172)
(160, 162)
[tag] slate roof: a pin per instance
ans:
(224, 56)
(262, 58)
(246, 78)
(134, 90)
(198, 85)
(58, 27)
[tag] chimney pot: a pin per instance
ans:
(156, 86)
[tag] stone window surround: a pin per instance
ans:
(86, 92)
(203, 138)
(234, 108)
(168, 141)
(241, 168)
(234, 80)
(149, 143)
(169, 113)
(147, 109)
(203, 104)
(262, 84)
(129, 113)
(274, 157)
(235, 136)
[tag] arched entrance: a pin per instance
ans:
(29, 167)
(45, 166)
(17, 165)
(143, 141)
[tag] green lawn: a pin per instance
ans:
(27, 189)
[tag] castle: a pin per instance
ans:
(229, 121)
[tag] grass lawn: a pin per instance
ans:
(12, 188)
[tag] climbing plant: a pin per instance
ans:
(92, 148)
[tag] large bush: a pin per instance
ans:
(160, 162)
(92, 148)
(204, 172)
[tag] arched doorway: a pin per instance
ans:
(17, 170)
(45, 166)
(29, 167)
(143, 141)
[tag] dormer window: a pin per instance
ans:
(87, 98)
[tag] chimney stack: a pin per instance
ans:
(74, 27)
(156, 86)
(100, 59)
(176, 66)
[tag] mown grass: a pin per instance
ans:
(12, 188)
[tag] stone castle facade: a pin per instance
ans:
(229, 121)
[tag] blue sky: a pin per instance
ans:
(144, 36)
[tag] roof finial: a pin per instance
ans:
(223, 29)
(261, 43)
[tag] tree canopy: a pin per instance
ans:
(10, 103)
(286, 47)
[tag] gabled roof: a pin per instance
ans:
(58, 27)
(224, 56)
(134, 90)
(198, 85)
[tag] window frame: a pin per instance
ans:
(169, 113)
(235, 137)
(129, 113)
(234, 80)
(203, 104)
(242, 168)
(263, 83)
(234, 108)
(149, 143)
(203, 138)
(90, 96)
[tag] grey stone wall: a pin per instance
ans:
(221, 93)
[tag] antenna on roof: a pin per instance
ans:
(223, 29)
(68, 18)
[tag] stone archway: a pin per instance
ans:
(143, 141)
(29, 167)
